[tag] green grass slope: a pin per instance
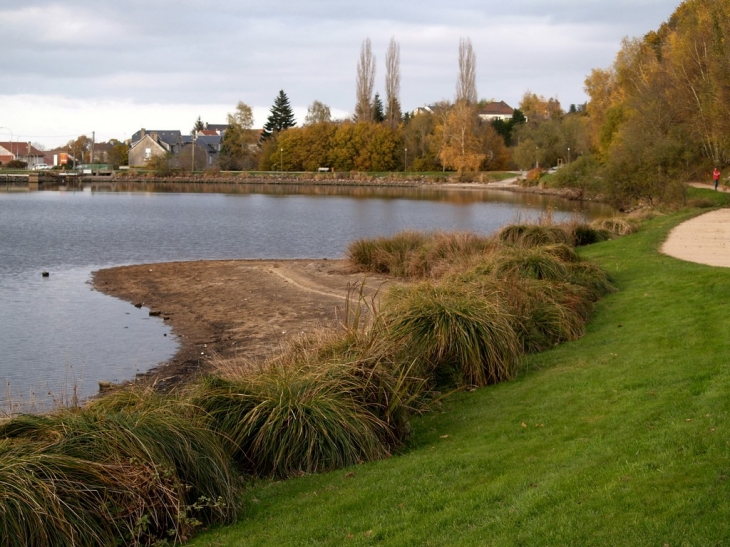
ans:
(619, 438)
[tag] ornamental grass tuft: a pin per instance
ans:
(285, 420)
(416, 254)
(460, 337)
(128, 476)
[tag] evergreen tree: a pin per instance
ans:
(377, 109)
(281, 117)
(199, 125)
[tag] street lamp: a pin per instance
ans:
(405, 159)
(281, 159)
(569, 155)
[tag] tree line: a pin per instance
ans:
(379, 136)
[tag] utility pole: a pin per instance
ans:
(93, 139)
(192, 165)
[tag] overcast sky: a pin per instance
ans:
(72, 67)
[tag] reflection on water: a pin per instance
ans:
(461, 195)
(56, 332)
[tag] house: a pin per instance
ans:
(496, 111)
(101, 152)
(148, 144)
(211, 144)
(216, 128)
(425, 109)
(22, 151)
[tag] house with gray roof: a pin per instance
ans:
(148, 144)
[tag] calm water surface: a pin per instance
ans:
(57, 333)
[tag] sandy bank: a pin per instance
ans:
(233, 307)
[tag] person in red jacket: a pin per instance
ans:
(716, 177)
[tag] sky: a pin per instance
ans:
(75, 67)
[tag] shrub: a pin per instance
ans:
(463, 338)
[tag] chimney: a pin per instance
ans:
(142, 133)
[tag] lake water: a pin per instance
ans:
(58, 335)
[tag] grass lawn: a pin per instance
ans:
(619, 438)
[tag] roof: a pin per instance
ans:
(500, 108)
(216, 127)
(169, 136)
(21, 149)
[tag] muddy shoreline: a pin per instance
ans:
(233, 308)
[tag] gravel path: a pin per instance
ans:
(704, 239)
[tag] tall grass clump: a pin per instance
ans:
(542, 317)
(51, 499)
(332, 398)
(592, 278)
(416, 254)
(533, 235)
(460, 337)
(586, 234)
(164, 472)
(616, 226)
(284, 420)
(389, 255)
(532, 262)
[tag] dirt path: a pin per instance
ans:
(234, 307)
(704, 239)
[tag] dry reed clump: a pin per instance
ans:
(616, 226)
(133, 475)
(417, 255)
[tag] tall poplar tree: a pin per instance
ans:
(365, 83)
(466, 86)
(281, 117)
(393, 112)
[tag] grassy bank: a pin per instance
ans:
(618, 438)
